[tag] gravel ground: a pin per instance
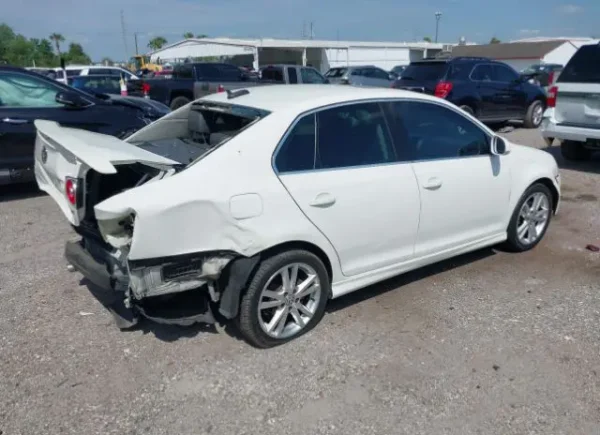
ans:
(488, 343)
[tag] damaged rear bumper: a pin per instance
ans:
(182, 308)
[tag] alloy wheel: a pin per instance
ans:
(533, 218)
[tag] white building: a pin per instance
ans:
(320, 54)
(522, 53)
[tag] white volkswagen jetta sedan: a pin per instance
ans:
(259, 205)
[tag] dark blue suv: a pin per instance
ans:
(490, 90)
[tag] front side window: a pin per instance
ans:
(309, 75)
(482, 73)
(19, 90)
(380, 74)
(504, 74)
(431, 131)
(297, 153)
(353, 135)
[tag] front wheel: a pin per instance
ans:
(530, 218)
(285, 299)
(534, 115)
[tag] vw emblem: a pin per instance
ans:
(44, 155)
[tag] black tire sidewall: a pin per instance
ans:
(513, 240)
(467, 109)
(248, 321)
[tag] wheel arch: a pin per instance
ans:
(553, 190)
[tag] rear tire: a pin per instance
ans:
(530, 219)
(534, 115)
(269, 298)
(179, 102)
(469, 110)
(574, 151)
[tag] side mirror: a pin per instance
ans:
(499, 146)
(71, 99)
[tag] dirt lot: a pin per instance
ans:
(489, 343)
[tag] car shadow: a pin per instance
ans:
(394, 283)
(591, 166)
(13, 192)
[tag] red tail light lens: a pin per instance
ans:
(442, 90)
(552, 96)
(220, 88)
(71, 190)
(145, 88)
(551, 78)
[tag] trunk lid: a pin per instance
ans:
(64, 155)
(578, 95)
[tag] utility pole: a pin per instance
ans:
(136, 44)
(124, 34)
(438, 15)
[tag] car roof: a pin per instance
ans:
(306, 97)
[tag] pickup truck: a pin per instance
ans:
(190, 81)
(195, 80)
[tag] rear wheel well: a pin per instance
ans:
(314, 249)
(550, 185)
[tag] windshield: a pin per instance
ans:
(583, 66)
(336, 72)
(136, 62)
(426, 71)
(209, 125)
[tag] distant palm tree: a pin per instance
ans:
(427, 39)
(157, 43)
(57, 38)
(188, 35)
(495, 40)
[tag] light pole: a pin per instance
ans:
(438, 15)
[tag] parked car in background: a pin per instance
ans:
(97, 84)
(291, 74)
(543, 74)
(573, 114)
(367, 75)
(490, 90)
(75, 70)
(26, 96)
(398, 70)
(342, 188)
(194, 80)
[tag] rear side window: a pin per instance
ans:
(292, 75)
(229, 73)
(584, 66)
(74, 72)
(353, 135)
(297, 153)
(274, 74)
(184, 72)
(428, 71)
(483, 73)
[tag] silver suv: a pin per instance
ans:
(365, 75)
(573, 114)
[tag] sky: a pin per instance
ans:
(96, 24)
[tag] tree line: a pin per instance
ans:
(18, 50)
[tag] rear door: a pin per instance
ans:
(341, 168)
(578, 97)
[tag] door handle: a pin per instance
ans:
(14, 121)
(323, 200)
(433, 183)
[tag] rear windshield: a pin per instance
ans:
(426, 71)
(208, 126)
(336, 72)
(584, 66)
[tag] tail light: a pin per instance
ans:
(146, 89)
(552, 96)
(71, 190)
(220, 88)
(442, 89)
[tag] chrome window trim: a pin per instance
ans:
(488, 133)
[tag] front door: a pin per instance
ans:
(464, 188)
(341, 168)
(486, 89)
(511, 96)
